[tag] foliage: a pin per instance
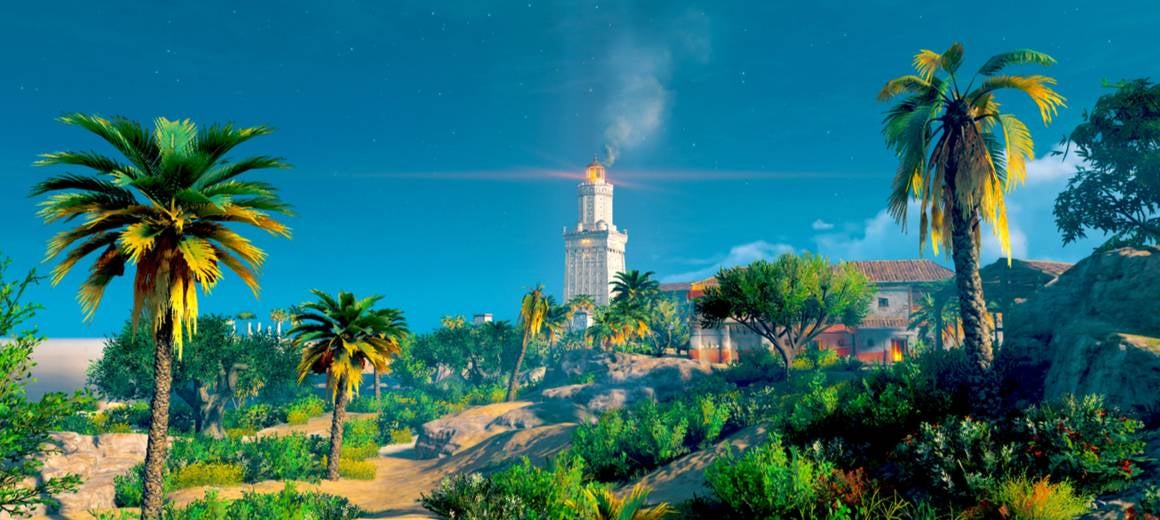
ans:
(818, 403)
(361, 432)
(1080, 440)
(814, 356)
(1150, 501)
(1116, 189)
(357, 469)
(218, 367)
(769, 481)
(607, 506)
(789, 301)
(629, 442)
(937, 315)
(254, 417)
(668, 326)
(25, 426)
(206, 473)
(1024, 499)
(409, 409)
(400, 436)
(534, 309)
(753, 367)
(304, 408)
(956, 460)
(289, 504)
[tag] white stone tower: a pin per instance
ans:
(594, 248)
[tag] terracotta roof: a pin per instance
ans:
(903, 270)
(674, 286)
(1047, 266)
(884, 323)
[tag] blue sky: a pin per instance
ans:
(436, 145)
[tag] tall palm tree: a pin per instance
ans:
(167, 204)
(533, 311)
(633, 287)
(958, 155)
(339, 337)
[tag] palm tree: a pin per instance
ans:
(937, 316)
(618, 325)
(557, 320)
(278, 316)
(533, 311)
(634, 287)
(958, 155)
(339, 337)
(453, 322)
(605, 505)
(167, 206)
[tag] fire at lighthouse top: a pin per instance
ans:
(595, 172)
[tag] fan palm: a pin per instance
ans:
(618, 325)
(958, 156)
(340, 337)
(278, 316)
(607, 506)
(557, 320)
(937, 317)
(533, 312)
(167, 206)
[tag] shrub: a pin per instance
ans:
(471, 496)
(253, 417)
(360, 433)
(818, 403)
(288, 457)
(286, 504)
(128, 489)
(625, 443)
(1150, 502)
(814, 357)
(297, 417)
(519, 491)
(755, 366)
(302, 409)
(1024, 499)
(769, 481)
(356, 469)
(400, 436)
(357, 452)
(1081, 441)
(207, 473)
(238, 433)
(956, 460)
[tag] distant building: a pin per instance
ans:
(884, 336)
(1007, 285)
(593, 248)
(481, 318)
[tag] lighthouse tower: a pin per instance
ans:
(593, 248)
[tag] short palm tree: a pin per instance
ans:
(533, 312)
(607, 506)
(168, 204)
(452, 322)
(937, 316)
(340, 337)
(633, 287)
(557, 320)
(958, 156)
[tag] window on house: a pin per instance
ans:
(883, 303)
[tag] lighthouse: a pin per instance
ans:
(594, 247)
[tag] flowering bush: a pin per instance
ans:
(956, 460)
(1080, 440)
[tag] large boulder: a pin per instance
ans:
(1093, 330)
(619, 379)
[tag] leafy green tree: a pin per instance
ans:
(1116, 190)
(339, 337)
(668, 326)
(958, 156)
(217, 367)
(167, 205)
(789, 301)
(533, 311)
(24, 426)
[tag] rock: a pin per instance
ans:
(1093, 330)
(446, 435)
(620, 379)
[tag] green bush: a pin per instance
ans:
(1150, 502)
(1024, 499)
(957, 460)
(400, 436)
(755, 366)
(410, 409)
(297, 417)
(359, 452)
(818, 403)
(253, 417)
(356, 469)
(519, 491)
(128, 489)
(207, 473)
(770, 481)
(1080, 440)
(287, 457)
(286, 504)
(360, 433)
(302, 409)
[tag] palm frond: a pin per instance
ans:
(1037, 87)
(1017, 57)
(926, 62)
(1019, 149)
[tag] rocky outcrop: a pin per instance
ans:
(1093, 330)
(97, 459)
(618, 379)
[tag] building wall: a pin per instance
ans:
(897, 300)
(594, 248)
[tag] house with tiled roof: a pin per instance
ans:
(884, 336)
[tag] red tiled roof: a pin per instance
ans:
(883, 323)
(1047, 266)
(903, 270)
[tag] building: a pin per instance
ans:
(593, 248)
(480, 318)
(884, 336)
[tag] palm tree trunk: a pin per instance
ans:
(513, 382)
(338, 419)
(153, 499)
(378, 387)
(972, 305)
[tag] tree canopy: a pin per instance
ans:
(1116, 190)
(788, 301)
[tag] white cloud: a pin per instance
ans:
(1053, 168)
(821, 225)
(738, 255)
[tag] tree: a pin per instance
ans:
(937, 316)
(166, 206)
(247, 317)
(1116, 189)
(279, 316)
(668, 326)
(25, 426)
(453, 322)
(958, 155)
(620, 324)
(216, 368)
(789, 301)
(557, 320)
(533, 311)
(634, 288)
(339, 337)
